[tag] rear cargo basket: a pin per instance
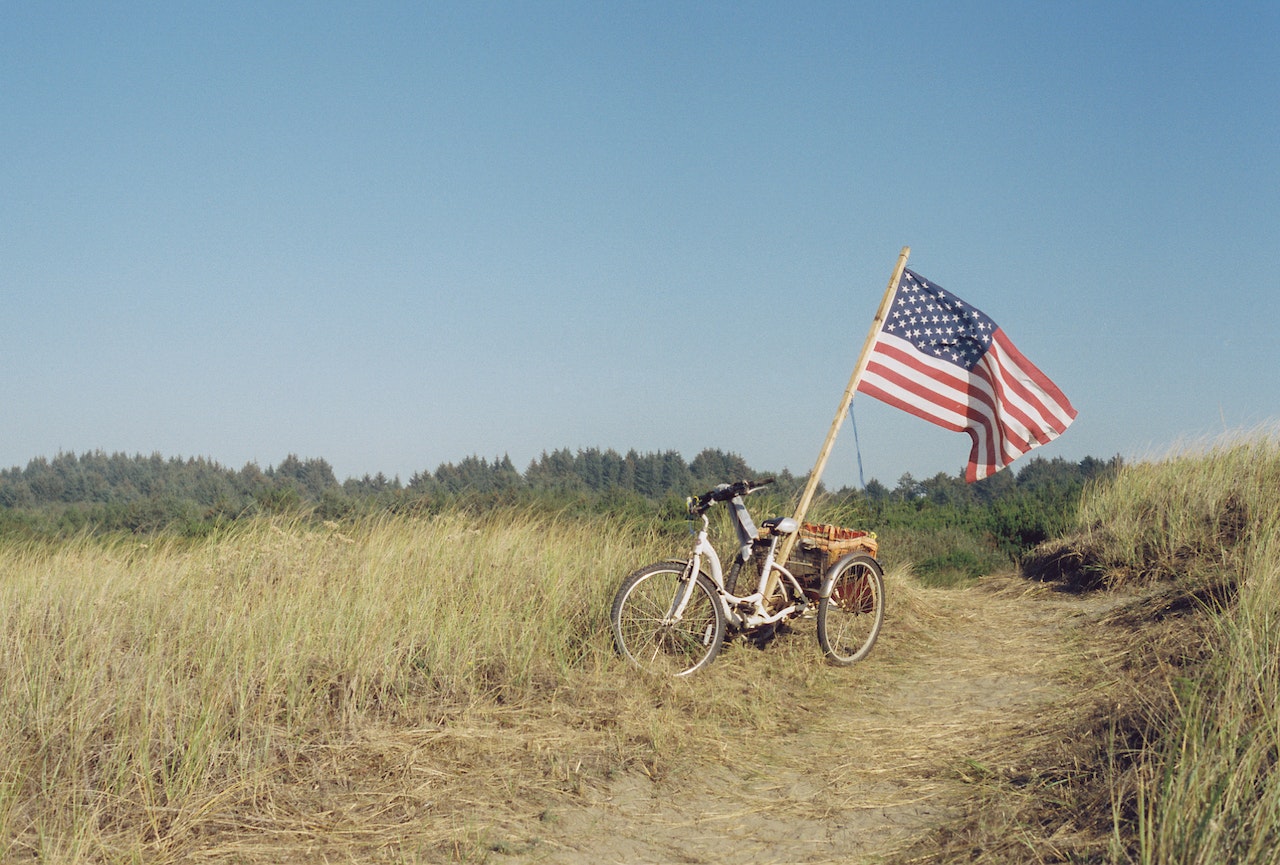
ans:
(820, 546)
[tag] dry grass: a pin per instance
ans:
(289, 690)
(411, 690)
(158, 692)
(1193, 515)
(1181, 736)
(1214, 792)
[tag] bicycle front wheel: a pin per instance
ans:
(645, 637)
(849, 619)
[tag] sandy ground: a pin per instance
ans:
(882, 755)
(873, 769)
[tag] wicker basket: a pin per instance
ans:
(820, 546)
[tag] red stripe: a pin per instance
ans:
(978, 408)
(1003, 406)
(1056, 396)
(925, 394)
(912, 408)
(1049, 402)
(1006, 381)
(993, 394)
(913, 359)
(929, 395)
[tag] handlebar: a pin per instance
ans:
(725, 492)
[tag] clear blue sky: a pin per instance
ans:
(397, 234)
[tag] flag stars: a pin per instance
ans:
(939, 324)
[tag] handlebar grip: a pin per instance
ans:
(725, 492)
(743, 488)
(701, 504)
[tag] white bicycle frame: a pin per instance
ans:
(741, 612)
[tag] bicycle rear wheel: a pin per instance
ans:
(640, 607)
(849, 620)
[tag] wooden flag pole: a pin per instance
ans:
(816, 475)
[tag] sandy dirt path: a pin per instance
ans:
(872, 769)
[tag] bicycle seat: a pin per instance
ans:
(780, 526)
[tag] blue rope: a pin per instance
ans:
(862, 482)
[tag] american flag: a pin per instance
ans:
(945, 361)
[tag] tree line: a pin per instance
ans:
(97, 491)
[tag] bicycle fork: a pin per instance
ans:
(685, 592)
(690, 577)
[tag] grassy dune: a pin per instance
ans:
(165, 697)
(1212, 521)
(1198, 534)
(1215, 794)
(246, 694)
(147, 685)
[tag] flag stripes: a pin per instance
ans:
(1003, 401)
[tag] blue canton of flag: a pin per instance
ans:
(939, 324)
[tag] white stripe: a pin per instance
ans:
(1006, 420)
(1046, 407)
(1043, 411)
(1001, 368)
(945, 392)
(950, 419)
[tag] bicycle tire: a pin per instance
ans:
(850, 617)
(640, 605)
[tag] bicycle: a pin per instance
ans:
(672, 617)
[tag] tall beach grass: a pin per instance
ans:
(1215, 794)
(148, 684)
(1203, 508)
(1207, 519)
